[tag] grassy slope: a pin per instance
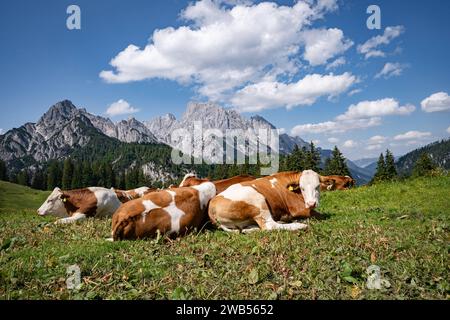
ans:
(14, 196)
(401, 227)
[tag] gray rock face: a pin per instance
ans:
(213, 116)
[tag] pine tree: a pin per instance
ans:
(390, 170)
(23, 178)
(423, 166)
(38, 180)
(380, 174)
(53, 175)
(311, 158)
(295, 161)
(77, 177)
(3, 172)
(87, 176)
(121, 181)
(67, 174)
(336, 164)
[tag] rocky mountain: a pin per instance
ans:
(439, 152)
(213, 116)
(64, 128)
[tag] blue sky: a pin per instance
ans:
(206, 55)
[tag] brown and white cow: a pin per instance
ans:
(191, 179)
(73, 205)
(262, 203)
(127, 195)
(334, 182)
(174, 211)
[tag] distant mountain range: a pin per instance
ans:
(64, 128)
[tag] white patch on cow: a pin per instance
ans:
(175, 213)
(206, 191)
(238, 192)
(273, 181)
(107, 201)
(188, 175)
(148, 206)
(141, 191)
(310, 187)
(53, 205)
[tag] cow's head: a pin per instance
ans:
(310, 188)
(54, 205)
(327, 183)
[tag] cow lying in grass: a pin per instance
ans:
(174, 211)
(262, 203)
(191, 179)
(126, 195)
(73, 205)
(333, 182)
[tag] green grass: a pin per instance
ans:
(401, 227)
(14, 196)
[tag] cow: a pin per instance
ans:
(191, 179)
(126, 195)
(174, 211)
(335, 182)
(262, 203)
(73, 205)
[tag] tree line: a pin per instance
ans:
(79, 172)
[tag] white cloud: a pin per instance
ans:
(390, 70)
(336, 63)
(439, 101)
(377, 140)
(354, 91)
(372, 147)
(120, 107)
(410, 135)
(350, 144)
(333, 140)
(221, 48)
(281, 130)
(335, 126)
(369, 48)
(448, 130)
(324, 44)
(272, 94)
(315, 141)
(1, 131)
(376, 108)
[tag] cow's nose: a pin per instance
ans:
(311, 204)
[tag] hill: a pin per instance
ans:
(439, 151)
(14, 196)
(401, 227)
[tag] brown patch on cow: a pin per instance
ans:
(234, 212)
(223, 184)
(80, 200)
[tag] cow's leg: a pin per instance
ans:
(228, 229)
(251, 229)
(266, 222)
(75, 217)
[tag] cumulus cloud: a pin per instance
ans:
(448, 130)
(370, 47)
(222, 46)
(391, 70)
(376, 108)
(272, 94)
(120, 107)
(335, 126)
(1, 131)
(377, 139)
(439, 101)
(410, 135)
(350, 144)
(324, 44)
(358, 116)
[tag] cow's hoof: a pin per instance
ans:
(299, 226)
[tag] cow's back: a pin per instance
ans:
(107, 201)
